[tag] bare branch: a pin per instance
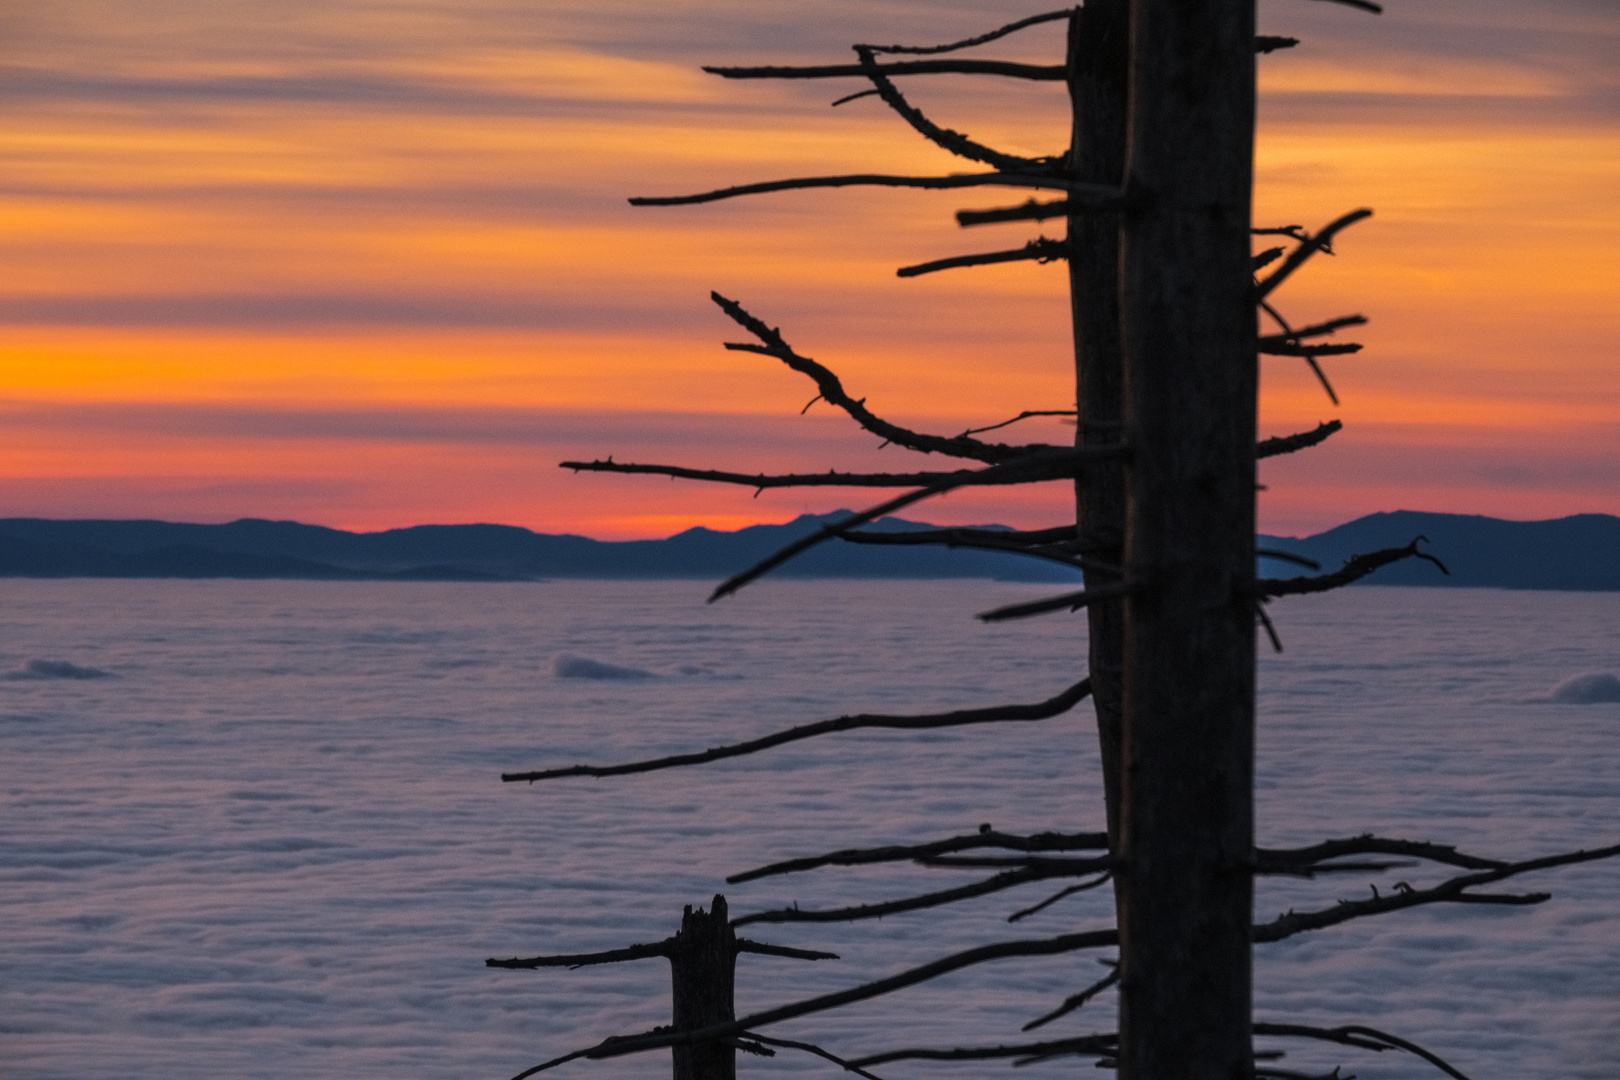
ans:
(967, 537)
(1055, 465)
(1061, 553)
(1025, 415)
(1288, 444)
(1308, 351)
(809, 1048)
(1085, 886)
(1087, 196)
(1072, 601)
(1085, 1044)
(968, 43)
(1036, 72)
(1310, 359)
(1404, 896)
(1287, 556)
(1354, 569)
(1029, 211)
(1007, 880)
(1318, 330)
(1356, 1035)
(1322, 241)
(1038, 250)
(744, 945)
(612, 956)
(1075, 1001)
(832, 390)
(953, 141)
(762, 481)
(984, 838)
(1053, 706)
(1269, 860)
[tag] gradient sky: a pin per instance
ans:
(370, 264)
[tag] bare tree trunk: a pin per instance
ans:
(1099, 58)
(1187, 821)
(703, 971)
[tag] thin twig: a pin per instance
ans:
(1038, 250)
(1053, 706)
(1029, 211)
(1075, 1001)
(968, 43)
(1357, 1035)
(1056, 465)
(762, 481)
(833, 392)
(809, 1048)
(759, 947)
(984, 838)
(1061, 894)
(1317, 330)
(1085, 1044)
(612, 956)
(1025, 415)
(1273, 860)
(1364, 5)
(1287, 556)
(1072, 601)
(1009, 69)
(1085, 196)
(952, 141)
(1322, 241)
(1310, 359)
(1006, 880)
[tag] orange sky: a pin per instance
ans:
(370, 264)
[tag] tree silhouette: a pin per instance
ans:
(1155, 189)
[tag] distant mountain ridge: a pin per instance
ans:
(1573, 553)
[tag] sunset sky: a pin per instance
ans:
(369, 263)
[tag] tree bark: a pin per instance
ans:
(1099, 58)
(1187, 304)
(703, 973)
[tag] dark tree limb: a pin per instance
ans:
(1317, 330)
(1056, 465)
(1308, 351)
(1086, 1044)
(1278, 860)
(759, 947)
(968, 43)
(1053, 706)
(1288, 556)
(1027, 414)
(832, 390)
(966, 537)
(1356, 1035)
(809, 1048)
(1310, 358)
(1062, 554)
(1061, 894)
(985, 838)
(1266, 43)
(1038, 250)
(951, 141)
(1070, 1004)
(1288, 444)
(1029, 211)
(763, 481)
(1404, 896)
(612, 956)
(1068, 601)
(1354, 569)
(1006, 68)
(1007, 880)
(1097, 196)
(1322, 241)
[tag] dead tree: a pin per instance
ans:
(1155, 189)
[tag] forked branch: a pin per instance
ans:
(986, 837)
(1322, 241)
